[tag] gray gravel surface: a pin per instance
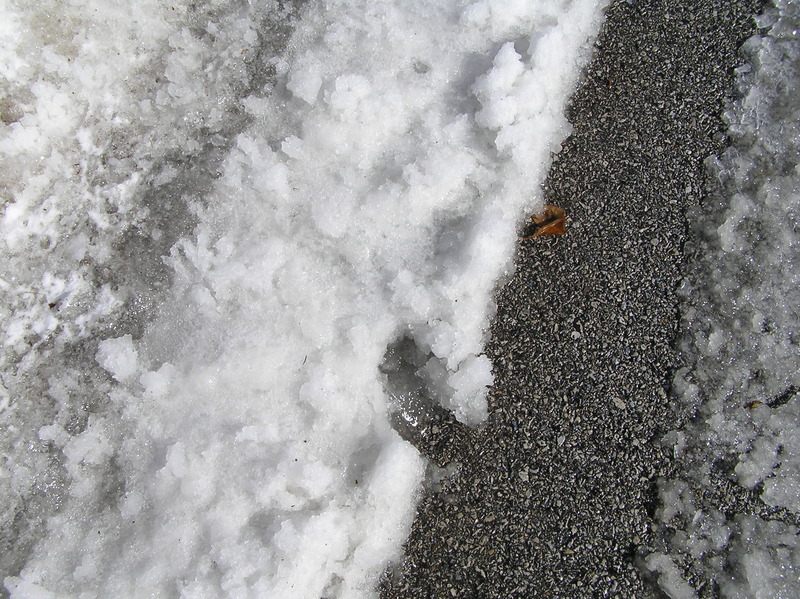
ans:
(554, 496)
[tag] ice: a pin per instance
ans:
(218, 219)
(669, 577)
(305, 84)
(741, 323)
(118, 357)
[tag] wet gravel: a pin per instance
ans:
(554, 496)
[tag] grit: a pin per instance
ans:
(555, 495)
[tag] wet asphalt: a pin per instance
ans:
(555, 495)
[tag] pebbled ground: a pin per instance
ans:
(554, 496)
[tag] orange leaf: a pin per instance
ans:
(552, 221)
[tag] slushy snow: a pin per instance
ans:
(742, 332)
(216, 219)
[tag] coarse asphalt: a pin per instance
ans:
(554, 496)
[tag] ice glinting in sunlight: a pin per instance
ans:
(109, 137)
(742, 316)
(216, 219)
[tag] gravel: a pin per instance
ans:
(554, 496)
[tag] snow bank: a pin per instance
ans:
(219, 424)
(106, 143)
(741, 306)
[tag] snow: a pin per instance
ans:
(669, 577)
(118, 356)
(742, 328)
(217, 220)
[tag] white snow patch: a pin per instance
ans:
(118, 357)
(372, 195)
(670, 578)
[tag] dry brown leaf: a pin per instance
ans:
(552, 221)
